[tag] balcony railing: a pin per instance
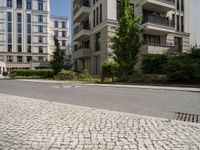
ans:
(159, 20)
(85, 3)
(168, 1)
(81, 27)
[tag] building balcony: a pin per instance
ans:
(152, 48)
(155, 24)
(82, 52)
(81, 11)
(159, 5)
(80, 32)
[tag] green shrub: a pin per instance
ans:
(110, 69)
(154, 63)
(84, 75)
(183, 68)
(40, 73)
(66, 75)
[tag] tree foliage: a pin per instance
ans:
(127, 42)
(58, 58)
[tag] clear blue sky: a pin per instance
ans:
(61, 8)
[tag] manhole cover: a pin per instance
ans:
(186, 117)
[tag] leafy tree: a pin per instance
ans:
(58, 58)
(127, 42)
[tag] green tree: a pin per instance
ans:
(58, 58)
(127, 41)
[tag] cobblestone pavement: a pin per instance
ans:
(37, 124)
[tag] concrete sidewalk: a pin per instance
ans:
(189, 89)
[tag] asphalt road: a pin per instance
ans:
(158, 103)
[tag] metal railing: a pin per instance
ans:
(159, 20)
(81, 27)
(85, 3)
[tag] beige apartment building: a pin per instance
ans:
(59, 27)
(95, 21)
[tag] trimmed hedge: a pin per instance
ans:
(183, 69)
(66, 75)
(154, 63)
(40, 73)
(110, 69)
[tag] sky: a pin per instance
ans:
(61, 8)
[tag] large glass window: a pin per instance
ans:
(9, 48)
(29, 48)
(56, 24)
(29, 58)
(19, 38)
(19, 48)
(28, 18)
(9, 37)
(56, 33)
(63, 33)
(19, 3)
(9, 27)
(9, 16)
(98, 41)
(29, 39)
(19, 28)
(40, 39)
(19, 58)
(19, 17)
(28, 4)
(40, 49)
(28, 28)
(63, 43)
(40, 5)
(40, 18)
(40, 29)
(9, 3)
(63, 24)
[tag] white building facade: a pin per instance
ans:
(59, 27)
(94, 24)
(25, 33)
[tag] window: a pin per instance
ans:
(63, 33)
(177, 5)
(19, 17)
(28, 18)
(63, 24)
(40, 29)
(152, 39)
(40, 49)
(56, 33)
(19, 28)
(28, 28)
(182, 24)
(97, 16)
(9, 3)
(19, 48)
(9, 37)
(29, 39)
(56, 24)
(182, 5)
(63, 43)
(29, 58)
(9, 16)
(9, 58)
(40, 58)
(40, 18)
(94, 18)
(19, 3)
(19, 58)
(40, 5)
(178, 23)
(28, 4)
(19, 38)
(9, 48)
(9, 27)
(101, 13)
(98, 42)
(40, 39)
(29, 48)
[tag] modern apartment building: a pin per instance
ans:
(95, 21)
(24, 33)
(59, 27)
